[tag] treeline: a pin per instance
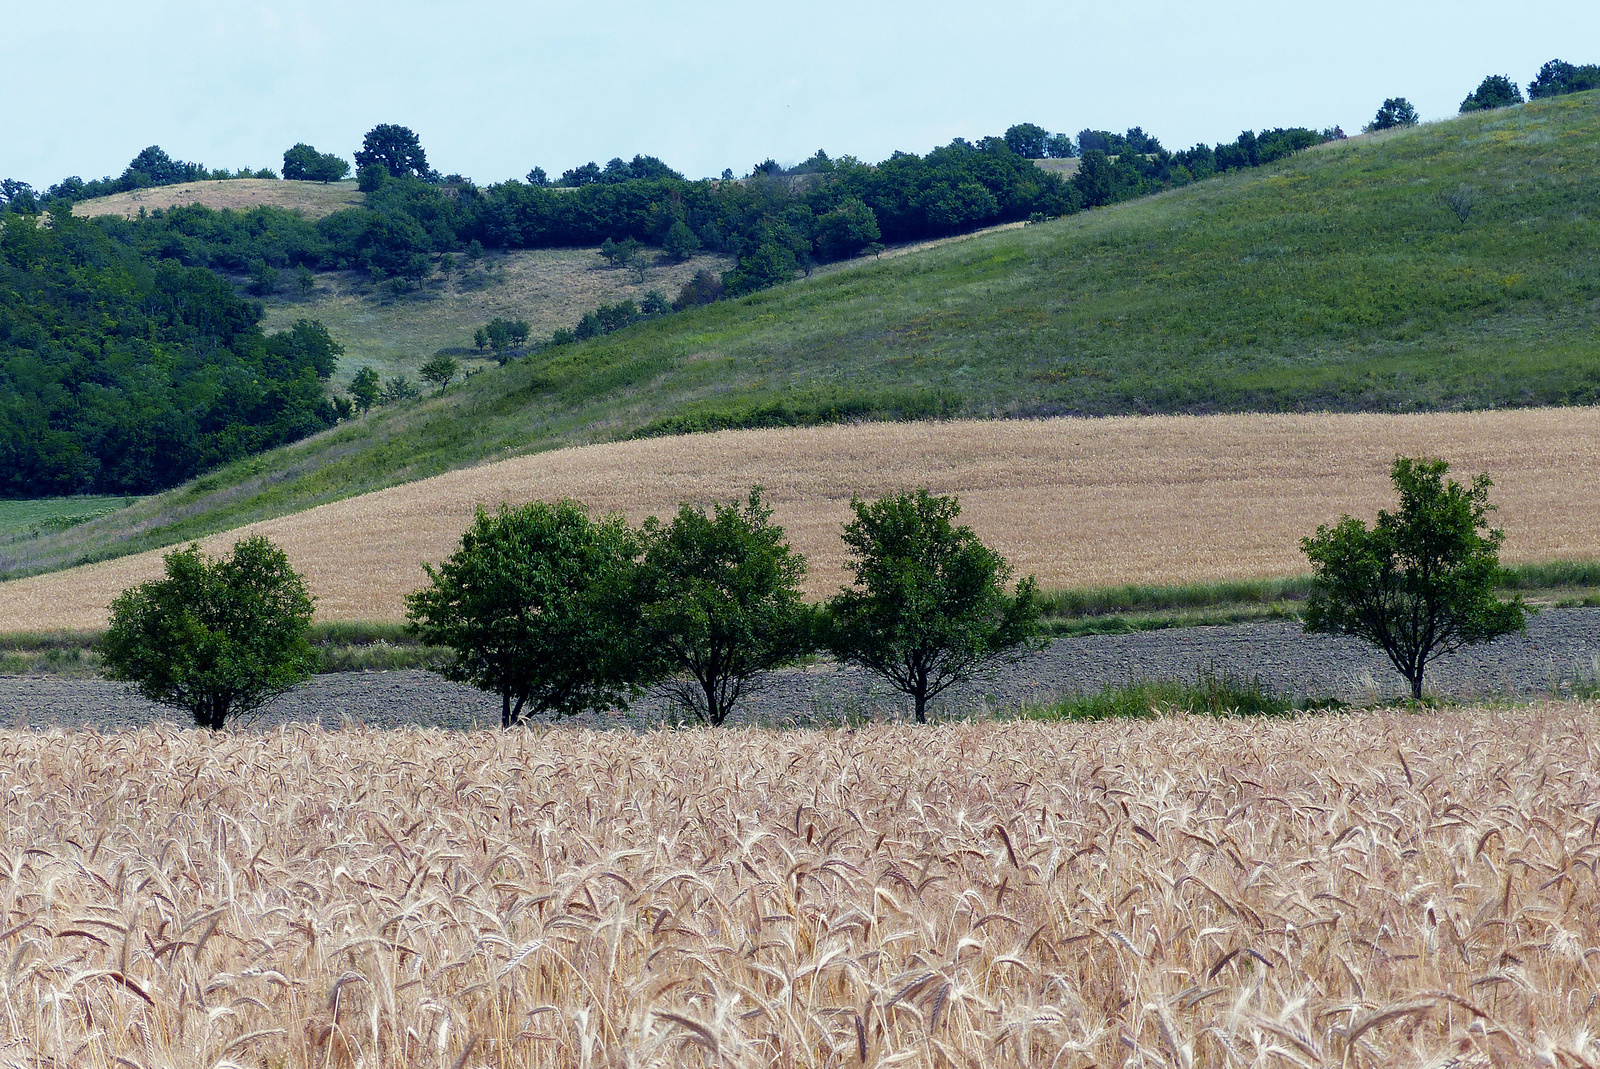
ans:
(775, 223)
(122, 375)
(152, 167)
(1556, 78)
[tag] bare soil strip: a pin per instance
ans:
(1165, 499)
(1372, 890)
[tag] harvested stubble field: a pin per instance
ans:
(1372, 890)
(1165, 499)
(311, 199)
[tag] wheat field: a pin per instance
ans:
(1380, 889)
(1076, 502)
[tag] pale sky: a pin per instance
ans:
(493, 87)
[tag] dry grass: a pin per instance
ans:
(549, 288)
(1076, 502)
(1064, 168)
(311, 199)
(1372, 890)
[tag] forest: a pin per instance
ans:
(119, 374)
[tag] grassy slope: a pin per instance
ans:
(1338, 279)
(394, 335)
(313, 199)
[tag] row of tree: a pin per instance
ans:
(559, 613)
(151, 167)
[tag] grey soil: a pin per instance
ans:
(1561, 644)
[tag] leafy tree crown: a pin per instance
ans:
(217, 637)
(1420, 583)
(929, 607)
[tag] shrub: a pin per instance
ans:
(1210, 694)
(217, 637)
(1495, 91)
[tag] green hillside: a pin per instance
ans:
(1447, 266)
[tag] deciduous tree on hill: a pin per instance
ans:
(304, 163)
(1396, 111)
(439, 371)
(365, 389)
(1495, 91)
(394, 148)
(1559, 77)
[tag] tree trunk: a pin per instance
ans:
(1416, 686)
(921, 698)
(715, 713)
(505, 708)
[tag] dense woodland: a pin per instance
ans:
(122, 375)
(128, 365)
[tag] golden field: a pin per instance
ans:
(311, 199)
(1380, 889)
(1162, 499)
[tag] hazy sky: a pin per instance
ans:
(495, 87)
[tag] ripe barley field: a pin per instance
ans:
(1076, 502)
(1379, 889)
(311, 199)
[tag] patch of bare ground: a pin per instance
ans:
(311, 199)
(1358, 891)
(1148, 499)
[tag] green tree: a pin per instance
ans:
(300, 161)
(365, 389)
(620, 253)
(1420, 583)
(530, 604)
(1396, 111)
(719, 599)
(306, 164)
(846, 230)
(217, 637)
(439, 371)
(328, 168)
(680, 242)
(394, 148)
(501, 334)
(929, 607)
(1559, 77)
(1495, 91)
(1028, 141)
